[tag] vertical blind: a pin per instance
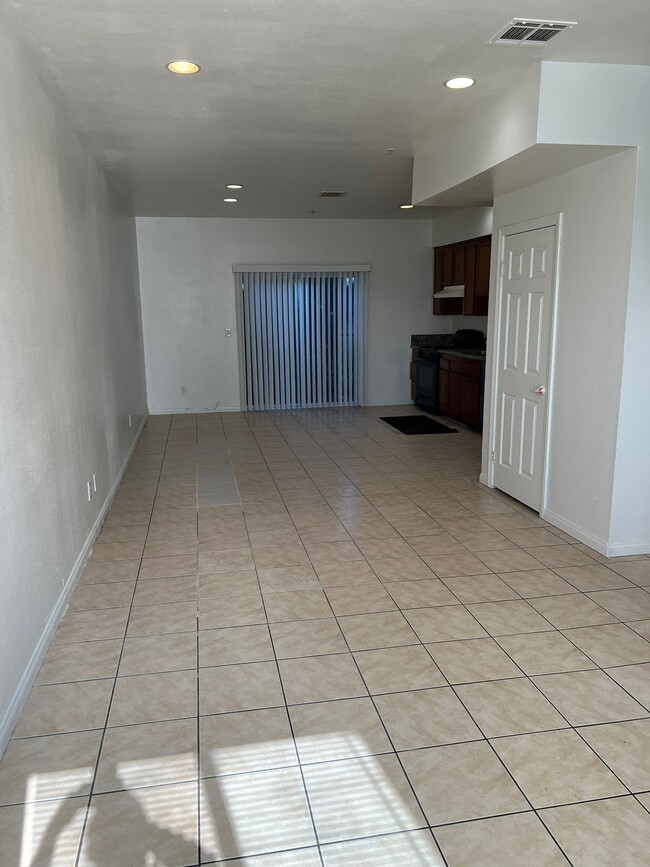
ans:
(302, 337)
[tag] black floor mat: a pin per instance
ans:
(411, 425)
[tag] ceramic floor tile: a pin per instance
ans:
(152, 754)
(638, 571)
(307, 638)
(152, 697)
(321, 678)
(595, 577)
(105, 572)
(235, 644)
(227, 584)
(65, 707)
(404, 569)
(460, 782)
(296, 605)
(58, 766)
(537, 582)
(544, 653)
(345, 574)
(370, 631)
(555, 768)
(239, 687)
(408, 849)
(42, 835)
(509, 618)
(159, 590)
(155, 653)
(359, 599)
(213, 562)
(79, 626)
(625, 748)
(635, 679)
(613, 831)
(420, 594)
(426, 718)
(225, 611)
(280, 555)
(625, 605)
(254, 813)
(254, 740)
(162, 619)
(472, 660)
(168, 567)
(360, 797)
(288, 578)
(338, 730)
(88, 660)
(395, 669)
(507, 841)
(454, 565)
(123, 827)
(446, 623)
(589, 697)
(614, 644)
(510, 560)
(565, 612)
(508, 707)
(90, 597)
(480, 588)
(560, 555)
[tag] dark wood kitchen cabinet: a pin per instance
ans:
(459, 389)
(466, 263)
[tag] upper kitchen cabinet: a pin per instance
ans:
(463, 271)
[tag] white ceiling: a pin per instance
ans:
(295, 96)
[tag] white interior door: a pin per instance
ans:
(525, 311)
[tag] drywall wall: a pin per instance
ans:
(596, 203)
(602, 103)
(71, 367)
(188, 297)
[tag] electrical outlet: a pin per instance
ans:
(94, 482)
(183, 389)
(89, 491)
(228, 332)
(130, 421)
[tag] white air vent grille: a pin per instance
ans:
(332, 194)
(529, 31)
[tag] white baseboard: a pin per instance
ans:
(572, 529)
(483, 479)
(10, 718)
(172, 410)
(629, 550)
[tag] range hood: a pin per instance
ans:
(451, 292)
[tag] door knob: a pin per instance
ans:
(540, 391)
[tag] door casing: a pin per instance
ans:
(547, 222)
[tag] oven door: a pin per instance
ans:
(426, 382)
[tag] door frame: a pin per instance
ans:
(551, 221)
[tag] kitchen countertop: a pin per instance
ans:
(460, 353)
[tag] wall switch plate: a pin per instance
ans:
(130, 421)
(228, 332)
(94, 481)
(89, 491)
(183, 389)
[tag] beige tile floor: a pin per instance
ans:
(355, 655)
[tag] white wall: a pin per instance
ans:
(188, 297)
(596, 202)
(70, 363)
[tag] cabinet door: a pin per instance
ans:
(482, 290)
(470, 280)
(470, 401)
(447, 254)
(456, 394)
(443, 390)
(458, 267)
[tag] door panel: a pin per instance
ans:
(526, 295)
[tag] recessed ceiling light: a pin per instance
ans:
(234, 186)
(460, 83)
(405, 207)
(230, 200)
(183, 67)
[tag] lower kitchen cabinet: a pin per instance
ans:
(460, 383)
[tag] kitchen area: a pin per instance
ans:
(447, 370)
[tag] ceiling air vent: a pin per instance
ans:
(331, 194)
(530, 31)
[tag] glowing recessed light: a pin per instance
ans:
(230, 200)
(183, 67)
(405, 207)
(460, 83)
(234, 186)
